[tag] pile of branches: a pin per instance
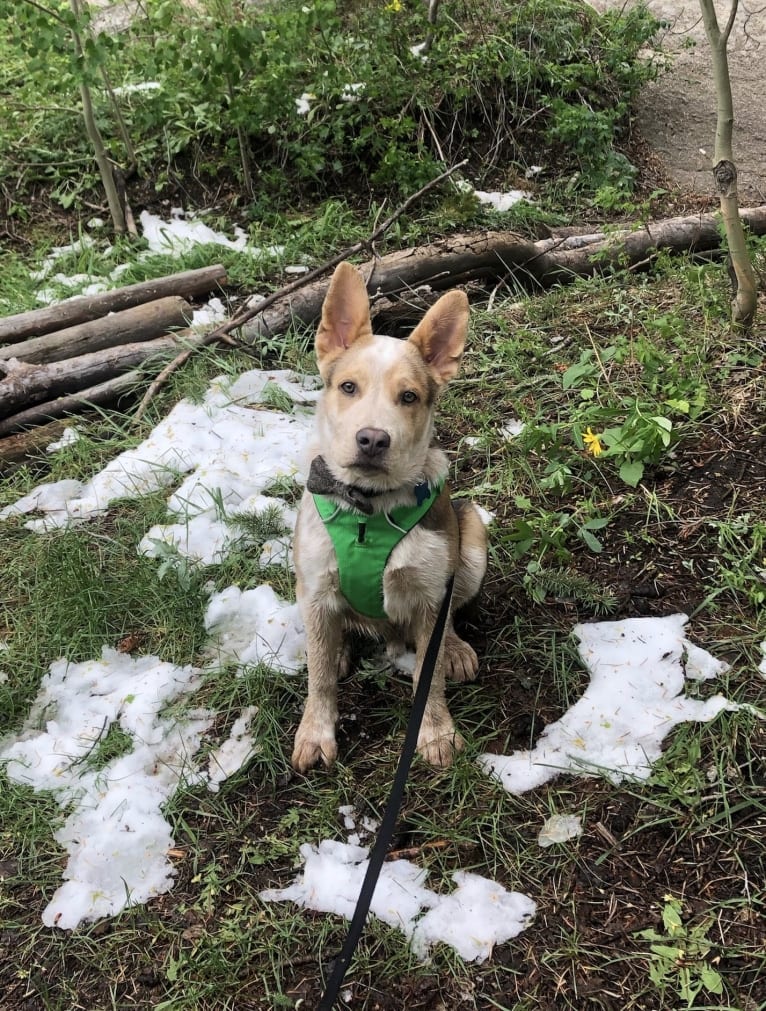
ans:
(92, 351)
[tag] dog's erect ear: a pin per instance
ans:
(345, 314)
(440, 335)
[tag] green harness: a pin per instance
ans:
(363, 545)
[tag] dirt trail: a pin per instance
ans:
(677, 113)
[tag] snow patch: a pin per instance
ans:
(114, 830)
(638, 669)
(501, 201)
(477, 915)
(255, 626)
(68, 437)
(235, 751)
(231, 450)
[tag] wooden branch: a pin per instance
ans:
(245, 315)
(141, 323)
(16, 447)
(25, 384)
(493, 256)
(83, 308)
(102, 393)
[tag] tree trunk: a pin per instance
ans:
(744, 302)
(141, 323)
(24, 444)
(103, 161)
(496, 256)
(107, 392)
(83, 308)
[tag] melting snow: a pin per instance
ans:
(638, 670)
(501, 201)
(231, 451)
(179, 233)
(511, 429)
(235, 752)
(114, 831)
(69, 436)
(303, 104)
(255, 626)
(477, 915)
(130, 89)
(225, 454)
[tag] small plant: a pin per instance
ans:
(742, 558)
(679, 957)
(632, 429)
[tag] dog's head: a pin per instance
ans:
(375, 420)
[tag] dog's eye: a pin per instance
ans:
(409, 397)
(348, 387)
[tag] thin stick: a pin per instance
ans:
(245, 315)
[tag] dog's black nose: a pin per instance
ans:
(373, 441)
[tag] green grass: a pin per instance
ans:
(689, 537)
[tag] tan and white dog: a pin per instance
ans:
(375, 472)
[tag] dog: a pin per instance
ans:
(375, 473)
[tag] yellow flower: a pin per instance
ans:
(592, 442)
(394, 6)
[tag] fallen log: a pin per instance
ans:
(17, 447)
(139, 323)
(83, 308)
(107, 392)
(23, 384)
(496, 256)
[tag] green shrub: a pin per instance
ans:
(541, 81)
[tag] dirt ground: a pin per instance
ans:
(677, 114)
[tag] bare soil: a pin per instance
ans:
(676, 115)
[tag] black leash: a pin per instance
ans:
(388, 822)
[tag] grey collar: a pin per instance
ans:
(322, 482)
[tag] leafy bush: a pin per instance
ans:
(317, 92)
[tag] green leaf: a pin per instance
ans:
(671, 917)
(667, 951)
(575, 372)
(596, 524)
(631, 472)
(593, 542)
(661, 422)
(521, 531)
(665, 426)
(711, 979)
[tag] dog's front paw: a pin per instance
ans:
(313, 741)
(460, 660)
(438, 743)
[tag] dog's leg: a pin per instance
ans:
(438, 740)
(327, 658)
(460, 660)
